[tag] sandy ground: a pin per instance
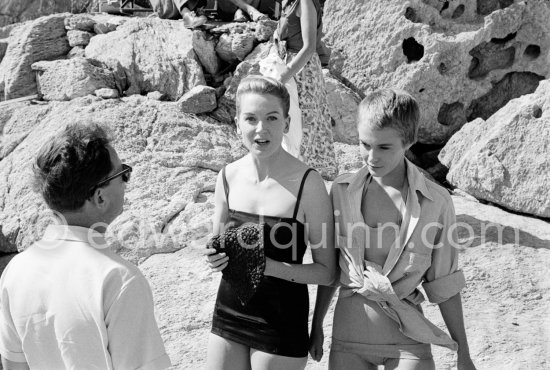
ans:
(506, 301)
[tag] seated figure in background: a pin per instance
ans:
(185, 9)
(235, 10)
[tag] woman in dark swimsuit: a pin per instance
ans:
(270, 185)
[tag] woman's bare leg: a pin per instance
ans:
(408, 364)
(266, 361)
(250, 7)
(345, 360)
(224, 354)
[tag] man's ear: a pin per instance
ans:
(99, 199)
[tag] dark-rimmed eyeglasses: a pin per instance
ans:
(124, 173)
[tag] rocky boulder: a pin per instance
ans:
(3, 47)
(153, 55)
(226, 104)
(237, 40)
(79, 38)
(175, 156)
(42, 39)
(14, 11)
(71, 78)
(99, 23)
(200, 99)
(460, 59)
(205, 48)
(106, 93)
(505, 160)
(342, 103)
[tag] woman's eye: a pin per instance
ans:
(249, 119)
(272, 118)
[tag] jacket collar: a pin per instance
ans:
(417, 181)
(71, 233)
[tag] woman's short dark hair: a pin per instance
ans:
(70, 164)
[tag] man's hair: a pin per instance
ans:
(396, 109)
(70, 164)
(263, 85)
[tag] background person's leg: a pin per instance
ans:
(186, 9)
(250, 7)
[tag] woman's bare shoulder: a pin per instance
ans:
(235, 167)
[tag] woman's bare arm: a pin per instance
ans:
(308, 23)
(218, 261)
(320, 229)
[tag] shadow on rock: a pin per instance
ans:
(473, 232)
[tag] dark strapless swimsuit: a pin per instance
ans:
(275, 320)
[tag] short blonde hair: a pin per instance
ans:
(257, 84)
(391, 108)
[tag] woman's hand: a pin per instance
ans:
(216, 261)
(316, 340)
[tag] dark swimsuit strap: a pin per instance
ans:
(298, 198)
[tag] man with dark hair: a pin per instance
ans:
(68, 301)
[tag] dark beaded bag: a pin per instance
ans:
(245, 247)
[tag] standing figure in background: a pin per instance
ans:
(299, 37)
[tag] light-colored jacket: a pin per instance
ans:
(425, 252)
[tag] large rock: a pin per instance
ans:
(237, 40)
(42, 39)
(14, 11)
(80, 22)
(235, 47)
(76, 52)
(106, 93)
(505, 160)
(71, 78)
(205, 48)
(226, 104)
(79, 38)
(154, 55)
(97, 23)
(6, 30)
(3, 47)
(342, 104)
(175, 157)
(454, 57)
(200, 99)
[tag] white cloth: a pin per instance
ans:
(69, 302)
(273, 66)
